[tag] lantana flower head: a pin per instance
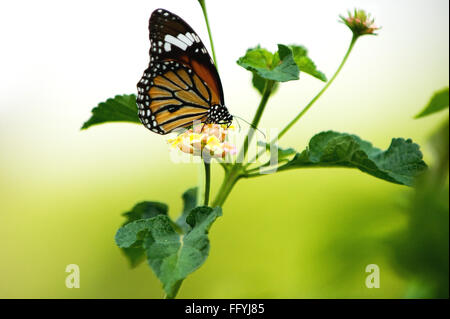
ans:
(360, 22)
(206, 140)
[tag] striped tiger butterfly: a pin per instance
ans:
(181, 84)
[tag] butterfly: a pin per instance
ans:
(181, 84)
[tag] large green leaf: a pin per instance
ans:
(171, 256)
(136, 254)
(438, 102)
(121, 108)
(401, 163)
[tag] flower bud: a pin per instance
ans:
(360, 23)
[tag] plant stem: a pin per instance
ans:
(225, 189)
(235, 173)
(262, 105)
(308, 106)
(207, 182)
(205, 14)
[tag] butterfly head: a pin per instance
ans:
(219, 114)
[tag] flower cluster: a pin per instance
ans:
(206, 140)
(360, 22)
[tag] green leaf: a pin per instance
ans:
(143, 210)
(438, 102)
(189, 203)
(401, 163)
(135, 255)
(121, 108)
(171, 256)
(260, 61)
(304, 63)
(284, 65)
(259, 83)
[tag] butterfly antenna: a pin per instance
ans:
(250, 125)
(239, 124)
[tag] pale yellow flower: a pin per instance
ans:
(204, 140)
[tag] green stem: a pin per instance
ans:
(262, 105)
(225, 189)
(207, 181)
(205, 14)
(235, 173)
(308, 106)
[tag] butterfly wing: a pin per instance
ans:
(181, 83)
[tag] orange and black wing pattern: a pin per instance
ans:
(181, 84)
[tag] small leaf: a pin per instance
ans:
(259, 83)
(135, 255)
(438, 102)
(260, 61)
(256, 58)
(282, 66)
(143, 210)
(171, 256)
(400, 163)
(189, 203)
(304, 63)
(121, 108)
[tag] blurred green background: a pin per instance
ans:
(298, 234)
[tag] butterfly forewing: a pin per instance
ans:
(181, 83)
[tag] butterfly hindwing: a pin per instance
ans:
(170, 99)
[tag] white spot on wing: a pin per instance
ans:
(167, 46)
(190, 37)
(176, 42)
(185, 39)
